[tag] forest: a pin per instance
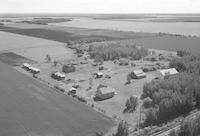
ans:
(176, 95)
(116, 51)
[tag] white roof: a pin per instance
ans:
(34, 69)
(26, 65)
(71, 89)
(59, 74)
(170, 71)
(105, 90)
(99, 73)
(138, 72)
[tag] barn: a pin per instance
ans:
(138, 74)
(165, 73)
(58, 76)
(104, 93)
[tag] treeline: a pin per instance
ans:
(190, 127)
(174, 96)
(117, 51)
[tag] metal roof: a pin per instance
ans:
(171, 71)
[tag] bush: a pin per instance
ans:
(131, 104)
(122, 129)
(147, 102)
(68, 68)
(172, 133)
(190, 127)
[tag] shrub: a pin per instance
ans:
(122, 129)
(68, 68)
(172, 133)
(190, 127)
(131, 104)
(147, 102)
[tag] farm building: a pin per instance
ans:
(58, 76)
(98, 75)
(123, 62)
(34, 70)
(26, 66)
(138, 74)
(72, 91)
(167, 72)
(104, 93)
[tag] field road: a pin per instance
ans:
(29, 108)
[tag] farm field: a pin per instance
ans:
(73, 31)
(30, 46)
(30, 108)
(172, 43)
(65, 34)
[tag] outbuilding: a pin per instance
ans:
(98, 75)
(58, 76)
(34, 70)
(138, 74)
(104, 93)
(26, 66)
(168, 72)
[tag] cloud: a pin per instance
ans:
(101, 6)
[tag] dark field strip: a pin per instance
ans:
(55, 35)
(172, 43)
(13, 59)
(29, 108)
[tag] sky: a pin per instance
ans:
(99, 6)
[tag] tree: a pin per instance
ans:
(190, 127)
(68, 68)
(122, 129)
(48, 58)
(147, 102)
(131, 104)
(178, 64)
(128, 78)
(172, 133)
(55, 63)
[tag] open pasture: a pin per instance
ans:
(172, 43)
(30, 46)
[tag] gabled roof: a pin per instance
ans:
(59, 74)
(139, 72)
(105, 90)
(34, 69)
(171, 71)
(26, 65)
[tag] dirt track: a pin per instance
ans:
(29, 108)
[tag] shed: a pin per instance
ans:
(123, 62)
(26, 66)
(168, 72)
(104, 93)
(138, 74)
(72, 91)
(98, 75)
(58, 76)
(34, 70)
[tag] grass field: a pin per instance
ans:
(29, 108)
(14, 59)
(170, 43)
(30, 46)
